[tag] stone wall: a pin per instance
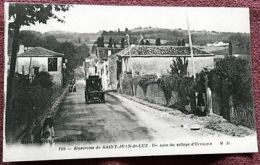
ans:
(156, 95)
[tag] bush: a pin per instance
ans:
(145, 80)
(126, 83)
(184, 86)
(44, 79)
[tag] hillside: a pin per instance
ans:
(168, 37)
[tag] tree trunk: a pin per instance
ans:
(15, 48)
(10, 87)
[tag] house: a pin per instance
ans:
(32, 61)
(103, 54)
(218, 44)
(150, 59)
(90, 68)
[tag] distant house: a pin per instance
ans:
(36, 59)
(103, 54)
(218, 44)
(145, 59)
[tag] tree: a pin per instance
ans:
(44, 79)
(230, 48)
(237, 72)
(179, 43)
(115, 45)
(30, 38)
(110, 42)
(122, 42)
(69, 51)
(147, 42)
(158, 42)
(179, 66)
(26, 15)
(142, 42)
(98, 42)
(50, 42)
(102, 44)
(183, 42)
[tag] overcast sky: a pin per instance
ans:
(85, 18)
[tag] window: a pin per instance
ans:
(52, 64)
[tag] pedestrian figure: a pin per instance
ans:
(201, 104)
(47, 132)
(36, 132)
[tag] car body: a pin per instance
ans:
(93, 90)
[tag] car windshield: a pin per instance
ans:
(93, 85)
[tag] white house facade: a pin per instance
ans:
(38, 59)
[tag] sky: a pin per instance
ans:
(93, 18)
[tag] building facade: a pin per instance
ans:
(37, 59)
(146, 59)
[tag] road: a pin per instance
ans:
(117, 120)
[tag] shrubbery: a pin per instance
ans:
(145, 80)
(184, 86)
(44, 79)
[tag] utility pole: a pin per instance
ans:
(191, 50)
(132, 68)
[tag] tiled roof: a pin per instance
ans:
(151, 50)
(102, 52)
(40, 52)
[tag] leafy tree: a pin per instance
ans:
(50, 42)
(26, 15)
(115, 45)
(179, 66)
(158, 42)
(44, 79)
(122, 42)
(179, 43)
(230, 48)
(142, 42)
(69, 51)
(102, 43)
(238, 73)
(31, 38)
(183, 42)
(110, 42)
(147, 42)
(98, 42)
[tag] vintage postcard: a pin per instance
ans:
(90, 81)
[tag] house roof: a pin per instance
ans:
(102, 52)
(161, 51)
(39, 52)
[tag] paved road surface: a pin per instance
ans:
(116, 120)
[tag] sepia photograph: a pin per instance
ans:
(92, 81)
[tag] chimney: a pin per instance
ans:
(21, 49)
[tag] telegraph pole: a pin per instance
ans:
(132, 67)
(191, 50)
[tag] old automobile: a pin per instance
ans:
(93, 90)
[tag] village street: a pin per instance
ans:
(119, 119)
